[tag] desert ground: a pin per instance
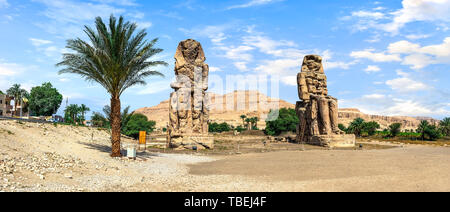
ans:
(47, 157)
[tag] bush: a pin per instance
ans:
(137, 123)
(218, 128)
(240, 128)
(286, 121)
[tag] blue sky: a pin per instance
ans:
(384, 57)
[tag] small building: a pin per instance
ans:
(5, 105)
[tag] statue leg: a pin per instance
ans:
(314, 117)
(324, 116)
(334, 112)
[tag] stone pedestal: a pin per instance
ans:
(333, 141)
(190, 141)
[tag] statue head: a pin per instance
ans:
(191, 51)
(313, 63)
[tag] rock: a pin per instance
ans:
(317, 111)
(189, 105)
(68, 176)
(42, 177)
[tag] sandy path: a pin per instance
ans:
(413, 168)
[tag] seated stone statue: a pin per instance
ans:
(189, 106)
(318, 112)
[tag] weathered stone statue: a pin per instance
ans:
(317, 111)
(188, 113)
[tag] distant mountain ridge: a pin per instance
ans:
(256, 104)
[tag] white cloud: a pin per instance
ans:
(156, 87)
(67, 17)
(372, 68)
(368, 14)
(214, 32)
(39, 42)
(421, 56)
(8, 73)
(406, 84)
(215, 69)
(144, 25)
(418, 36)
(375, 56)
(412, 11)
(241, 66)
(253, 3)
(379, 104)
(11, 69)
(419, 10)
(374, 96)
(271, 47)
(237, 53)
(68, 11)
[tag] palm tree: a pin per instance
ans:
(83, 109)
(248, 120)
(243, 117)
(445, 126)
(72, 112)
(394, 129)
(356, 126)
(422, 128)
(18, 93)
(256, 119)
(117, 59)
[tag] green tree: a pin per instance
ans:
(137, 123)
(45, 100)
(356, 126)
(243, 117)
(394, 129)
(254, 121)
(71, 114)
(286, 121)
(83, 109)
(247, 123)
(99, 120)
(432, 132)
(342, 127)
(125, 115)
(425, 129)
(117, 59)
(422, 128)
(218, 128)
(445, 126)
(371, 127)
(18, 93)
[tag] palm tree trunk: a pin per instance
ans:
(115, 126)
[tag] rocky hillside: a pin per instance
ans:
(229, 107)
